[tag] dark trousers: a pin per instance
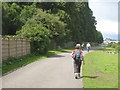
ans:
(77, 66)
(88, 49)
(82, 48)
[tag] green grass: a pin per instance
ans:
(100, 70)
(15, 63)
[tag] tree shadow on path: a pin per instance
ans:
(69, 52)
(93, 77)
(55, 56)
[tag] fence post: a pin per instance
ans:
(8, 47)
(0, 59)
(26, 46)
(16, 46)
(22, 46)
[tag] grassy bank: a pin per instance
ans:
(14, 63)
(100, 70)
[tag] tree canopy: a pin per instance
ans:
(43, 22)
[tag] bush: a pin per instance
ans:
(11, 60)
(117, 49)
(114, 45)
(38, 47)
(110, 44)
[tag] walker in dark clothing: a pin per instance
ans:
(88, 49)
(77, 66)
(77, 61)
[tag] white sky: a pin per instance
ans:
(106, 13)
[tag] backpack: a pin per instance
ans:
(77, 55)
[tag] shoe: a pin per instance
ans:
(76, 76)
(79, 75)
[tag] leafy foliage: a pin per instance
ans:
(41, 28)
(50, 22)
(10, 19)
(116, 46)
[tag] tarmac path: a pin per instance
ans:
(52, 72)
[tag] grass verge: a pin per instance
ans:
(100, 70)
(15, 63)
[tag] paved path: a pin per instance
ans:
(52, 72)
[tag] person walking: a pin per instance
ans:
(82, 46)
(88, 47)
(77, 60)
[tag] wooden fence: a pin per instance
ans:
(0, 50)
(14, 47)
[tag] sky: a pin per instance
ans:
(106, 13)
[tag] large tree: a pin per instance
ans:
(58, 22)
(43, 27)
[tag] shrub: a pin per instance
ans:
(113, 45)
(38, 47)
(11, 60)
(110, 44)
(117, 48)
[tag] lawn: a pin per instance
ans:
(15, 63)
(100, 70)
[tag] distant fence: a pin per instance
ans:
(68, 44)
(14, 47)
(64, 45)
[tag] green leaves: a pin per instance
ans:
(10, 18)
(27, 12)
(41, 28)
(44, 22)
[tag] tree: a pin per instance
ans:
(99, 37)
(43, 22)
(10, 18)
(41, 29)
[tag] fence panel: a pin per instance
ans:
(0, 50)
(12, 47)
